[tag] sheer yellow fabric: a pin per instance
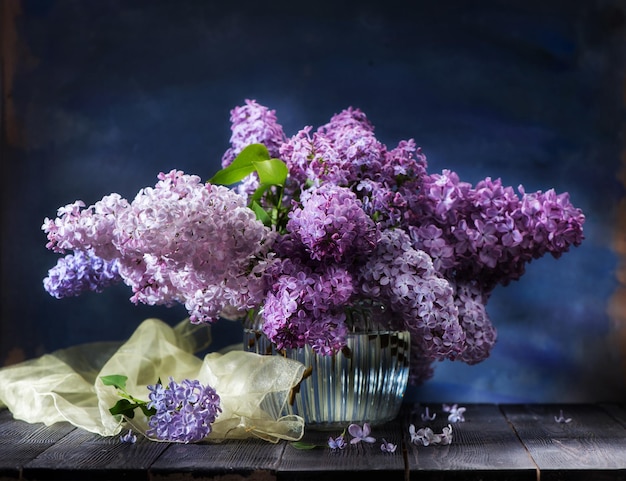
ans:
(65, 385)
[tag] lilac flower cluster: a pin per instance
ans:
(354, 220)
(181, 241)
(253, 124)
(80, 272)
(184, 412)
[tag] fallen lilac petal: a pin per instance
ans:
(426, 416)
(337, 443)
(386, 447)
(129, 437)
(359, 433)
(561, 418)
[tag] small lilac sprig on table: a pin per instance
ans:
(177, 412)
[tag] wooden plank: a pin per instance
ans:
(591, 446)
(324, 463)
(617, 411)
(484, 447)
(21, 442)
(251, 459)
(83, 455)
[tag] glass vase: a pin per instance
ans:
(365, 382)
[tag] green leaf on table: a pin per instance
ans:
(116, 380)
(304, 446)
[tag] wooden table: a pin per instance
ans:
(499, 442)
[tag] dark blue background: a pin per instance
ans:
(105, 94)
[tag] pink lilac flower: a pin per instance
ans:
(184, 412)
(180, 241)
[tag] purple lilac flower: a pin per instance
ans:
(359, 433)
(129, 437)
(405, 279)
(332, 225)
(488, 233)
(340, 152)
(304, 306)
(80, 272)
(253, 123)
(184, 412)
(387, 447)
(337, 443)
(480, 334)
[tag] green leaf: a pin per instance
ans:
(304, 446)
(260, 213)
(123, 407)
(271, 171)
(148, 412)
(117, 380)
(242, 166)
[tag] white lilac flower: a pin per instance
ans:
(456, 414)
(445, 437)
(427, 437)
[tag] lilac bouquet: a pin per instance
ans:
(317, 224)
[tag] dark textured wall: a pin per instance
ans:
(99, 96)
